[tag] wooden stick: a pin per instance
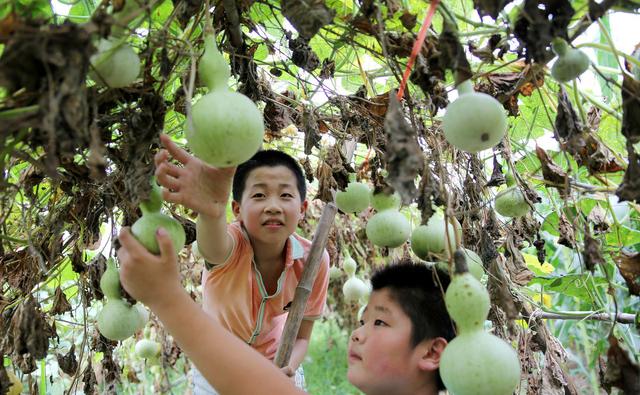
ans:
(294, 319)
(624, 318)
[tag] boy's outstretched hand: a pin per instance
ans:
(196, 185)
(151, 279)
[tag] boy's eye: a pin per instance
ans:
(258, 195)
(287, 195)
(379, 323)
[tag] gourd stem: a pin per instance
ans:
(465, 87)
(460, 262)
(559, 46)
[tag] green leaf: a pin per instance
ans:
(576, 285)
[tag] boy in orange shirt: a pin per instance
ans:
(253, 264)
(395, 351)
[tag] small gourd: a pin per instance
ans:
(145, 228)
(227, 128)
(571, 62)
(382, 201)
(354, 199)
(350, 265)
(475, 121)
(115, 64)
(388, 228)
(511, 203)
(475, 362)
(432, 237)
(354, 289)
(146, 348)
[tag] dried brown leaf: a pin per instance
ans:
(60, 303)
(629, 189)
(631, 109)
(598, 219)
(490, 7)
(68, 362)
(551, 171)
(404, 157)
(592, 253)
(307, 16)
(629, 266)
(567, 233)
(622, 371)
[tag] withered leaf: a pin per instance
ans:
(592, 253)
(89, 379)
(452, 54)
(551, 171)
(629, 266)
(408, 20)
(567, 123)
(567, 234)
(278, 112)
(631, 109)
(307, 16)
(31, 332)
(497, 177)
(60, 303)
(328, 69)
(5, 383)
(515, 262)
(598, 218)
(302, 55)
(404, 156)
(622, 371)
(68, 363)
(490, 7)
(629, 189)
(311, 133)
(536, 26)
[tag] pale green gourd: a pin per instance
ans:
(474, 121)
(110, 281)
(432, 237)
(227, 128)
(511, 203)
(571, 62)
(354, 199)
(118, 320)
(350, 265)
(475, 362)
(388, 228)
(145, 228)
(381, 201)
(115, 64)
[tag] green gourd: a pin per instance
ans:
(110, 281)
(571, 62)
(354, 199)
(475, 121)
(115, 64)
(227, 128)
(381, 201)
(118, 320)
(350, 265)
(145, 228)
(511, 203)
(431, 237)
(388, 228)
(475, 362)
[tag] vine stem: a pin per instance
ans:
(417, 45)
(624, 318)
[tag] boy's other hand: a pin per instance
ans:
(150, 279)
(196, 185)
(287, 370)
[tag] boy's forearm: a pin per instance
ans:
(223, 359)
(213, 241)
(298, 353)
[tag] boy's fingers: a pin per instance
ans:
(164, 243)
(178, 153)
(129, 242)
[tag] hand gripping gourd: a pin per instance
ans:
(145, 228)
(227, 127)
(475, 362)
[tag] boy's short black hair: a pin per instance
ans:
(419, 290)
(268, 158)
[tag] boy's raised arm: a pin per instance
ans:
(224, 360)
(199, 187)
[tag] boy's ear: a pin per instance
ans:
(303, 208)
(235, 207)
(430, 352)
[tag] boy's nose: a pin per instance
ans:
(272, 207)
(354, 336)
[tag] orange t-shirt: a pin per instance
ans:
(234, 294)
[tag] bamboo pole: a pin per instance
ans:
(294, 319)
(624, 318)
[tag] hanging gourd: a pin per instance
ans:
(227, 128)
(145, 228)
(354, 199)
(475, 121)
(571, 62)
(475, 362)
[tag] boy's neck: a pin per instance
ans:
(269, 259)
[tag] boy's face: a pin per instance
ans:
(381, 359)
(270, 207)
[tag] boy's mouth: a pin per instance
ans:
(353, 357)
(272, 223)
